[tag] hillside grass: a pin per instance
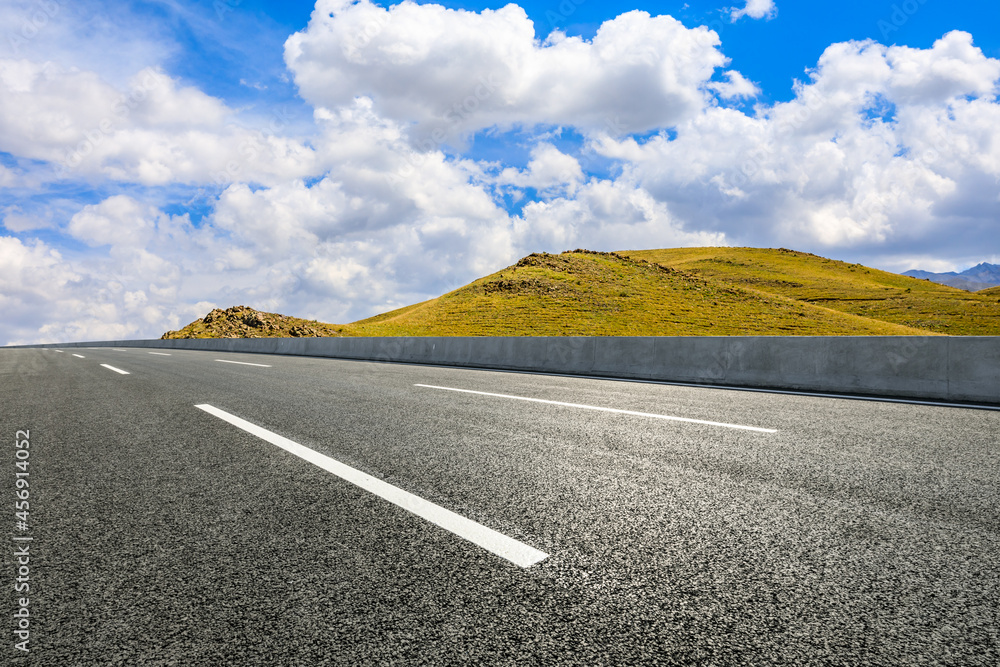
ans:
(990, 292)
(848, 288)
(583, 293)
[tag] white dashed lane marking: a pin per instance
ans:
(506, 547)
(600, 409)
(244, 363)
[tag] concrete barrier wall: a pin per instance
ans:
(959, 369)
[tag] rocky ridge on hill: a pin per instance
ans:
(247, 322)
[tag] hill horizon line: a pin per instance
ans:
(676, 291)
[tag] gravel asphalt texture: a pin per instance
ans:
(861, 533)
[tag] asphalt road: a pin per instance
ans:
(855, 533)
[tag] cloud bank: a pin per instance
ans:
(642, 136)
(453, 72)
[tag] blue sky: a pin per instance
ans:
(158, 159)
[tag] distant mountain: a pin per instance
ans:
(978, 277)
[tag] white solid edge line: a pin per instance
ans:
(162, 354)
(244, 363)
(615, 410)
(118, 349)
(516, 552)
(78, 355)
(116, 370)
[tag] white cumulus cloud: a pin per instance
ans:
(884, 145)
(755, 9)
(152, 131)
(737, 86)
(453, 72)
(549, 170)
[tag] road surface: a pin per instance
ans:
(401, 514)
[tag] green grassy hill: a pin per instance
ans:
(990, 292)
(676, 292)
(603, 294)
(848, 288)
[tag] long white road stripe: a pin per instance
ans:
(516, 552)
(615, 410)
(116, 370)
(78, 355)
(162, 354)
(118, 349)
(245, 363)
